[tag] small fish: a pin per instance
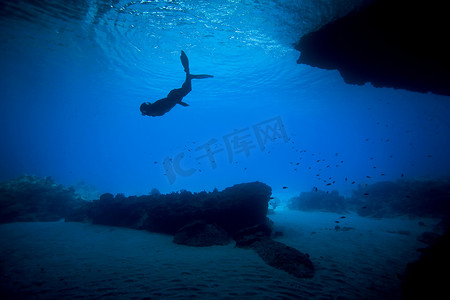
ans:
(336, 221)
(343, 217)
(328, 183)
(366, 194)
(353, 182)
(272, 198)
(368, 177)
(285, 187)
(345, 178)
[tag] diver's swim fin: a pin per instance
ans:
(183, 103)
(201, 76)
(184, 61)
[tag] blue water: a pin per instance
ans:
(74, 73)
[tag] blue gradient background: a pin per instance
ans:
(73, 76)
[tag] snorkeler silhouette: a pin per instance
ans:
(175, 96)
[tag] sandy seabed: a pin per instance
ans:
(59, 260)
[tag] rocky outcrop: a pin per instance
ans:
(285, 258)
(201, 234)
(237, 207)
(275, 254)
(390, 43)
(206, 219)
(427, 278)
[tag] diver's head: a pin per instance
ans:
(145, 109)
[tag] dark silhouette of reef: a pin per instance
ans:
(390, 43)
(206, 219)
(427, 278)
(237, 207)
(317, 200)
(421, 198)
(417, 198)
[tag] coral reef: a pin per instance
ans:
(422, 198)
(319, 200)
(32, 198)
(205, 219)
(419, 198)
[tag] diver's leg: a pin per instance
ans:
(187, 85)
(178, 94)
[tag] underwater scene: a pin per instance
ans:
(169, 149)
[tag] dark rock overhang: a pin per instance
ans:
(389, 43)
